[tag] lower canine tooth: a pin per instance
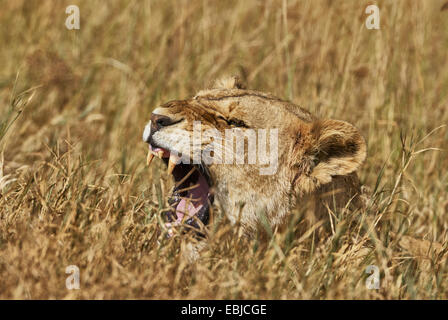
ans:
(149, 158)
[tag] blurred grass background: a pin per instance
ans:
(74, 189)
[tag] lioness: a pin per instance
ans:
(317, 158)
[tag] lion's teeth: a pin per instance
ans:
(171, 167)
(149, 158)
(160, 154)
(172, 162)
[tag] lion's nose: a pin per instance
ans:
(157, 122)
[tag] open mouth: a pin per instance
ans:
(191, 197)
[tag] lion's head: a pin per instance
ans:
(251, 152)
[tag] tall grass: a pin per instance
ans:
(78, 193)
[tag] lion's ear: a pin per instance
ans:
(229, 82)
(337, 149)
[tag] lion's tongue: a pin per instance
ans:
(199, 194)
(182, 208)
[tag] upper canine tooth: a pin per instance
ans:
(171, 167)
(149, 158)
(172, 162)
(160, 154)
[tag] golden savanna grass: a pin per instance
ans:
(74, 189)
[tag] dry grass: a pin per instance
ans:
(74, 188)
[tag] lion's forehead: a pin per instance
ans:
(252, 106)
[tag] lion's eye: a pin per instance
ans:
(237, 123)
(234, 122)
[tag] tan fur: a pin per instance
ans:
(316, 157)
